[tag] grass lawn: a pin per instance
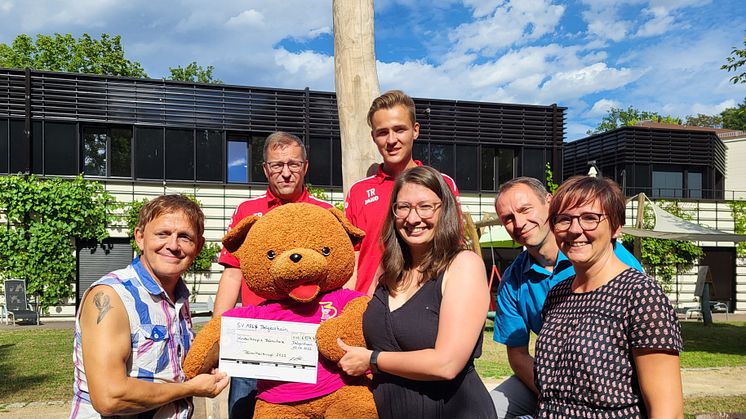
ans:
(36, 364)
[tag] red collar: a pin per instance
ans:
(273, 201)
(382, 176)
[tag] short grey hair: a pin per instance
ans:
(282, 139)
(535, 184)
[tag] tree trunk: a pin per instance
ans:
(357, 85)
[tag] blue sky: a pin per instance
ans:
(586, 55)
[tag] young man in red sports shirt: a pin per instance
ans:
(394, 129)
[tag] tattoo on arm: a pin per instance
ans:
(102, 304)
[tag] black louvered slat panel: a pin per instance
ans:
(121, 101)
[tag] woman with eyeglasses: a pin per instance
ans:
(424, 323)
(610, 343)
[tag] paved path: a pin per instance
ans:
(697, 382)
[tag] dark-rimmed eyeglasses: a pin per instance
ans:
(294, 166)
(588, 221)
(423, 209)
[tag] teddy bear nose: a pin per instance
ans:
(296, 257)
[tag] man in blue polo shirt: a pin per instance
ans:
(522, 204)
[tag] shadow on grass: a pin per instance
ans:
(722, 338)
(14, 381)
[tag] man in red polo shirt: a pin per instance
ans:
(394, 128)
(285, 166)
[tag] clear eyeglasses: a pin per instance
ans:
(423, 209)
(294, 166)
(588, 221)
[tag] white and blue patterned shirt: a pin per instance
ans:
(161, 332)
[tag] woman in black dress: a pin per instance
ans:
(424, 323)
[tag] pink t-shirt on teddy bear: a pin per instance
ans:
(329, 377)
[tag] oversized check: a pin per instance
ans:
(268, 349)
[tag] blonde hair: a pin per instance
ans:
(389, 100)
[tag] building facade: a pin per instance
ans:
(691, 165)
(143, 137)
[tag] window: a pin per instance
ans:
(120, 152)
(244, 159)
(441, 158)
(149, 153)
(667, 184)
(466, 167)
(498, 166)
(4, 146)
(94, 150)
(694, 184)
(60, 148)
(37, 134)
(179, 154)
(257, 158)
(320, 161)
(238, 162)
(324, 161)
(19, 149)
(419, 152)
(336, 162)
(534, 163)
(209, 155)
(107, 151)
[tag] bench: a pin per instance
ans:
(16, 304)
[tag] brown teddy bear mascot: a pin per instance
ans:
(298, 256)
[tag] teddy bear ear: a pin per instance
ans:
(356, 235)
(234, 238)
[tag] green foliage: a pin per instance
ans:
(702, 120)
(193, 73)
(65, 53)
(204, 259)
(551, 186)
(738, 210)
(617, 118)
(43, 217)
(664, 258)
(735, 118)
(735, 61)
(322, 194)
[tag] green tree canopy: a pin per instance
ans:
(65, 53)
(735, 118)
(735, 61)
(618, 117)
(193, 73)
(702, 120)
(43, 218)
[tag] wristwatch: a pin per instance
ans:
(374, 362)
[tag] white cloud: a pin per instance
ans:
(305, 68)
(660, 22)
(590, 79)
(601, 107)
(246, 19)
(712, 109)
(512, 22)
(656, 17)
(603, 20)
